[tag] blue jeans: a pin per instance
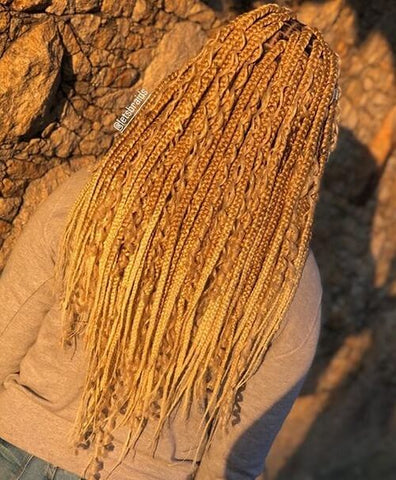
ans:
(17, 464)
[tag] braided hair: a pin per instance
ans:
(183, 251)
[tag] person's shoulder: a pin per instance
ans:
(69, 188)
(61, 200)
(311, 281)
(308, 295)
(304, 310)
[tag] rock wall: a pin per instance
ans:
(69, 67)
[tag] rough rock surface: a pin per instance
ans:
(69, 68)
(29, 72)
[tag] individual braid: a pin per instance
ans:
(184, 250)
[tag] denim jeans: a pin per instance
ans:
(17, 464)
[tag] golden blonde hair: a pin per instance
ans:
(182, 253)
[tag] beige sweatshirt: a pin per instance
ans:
(40, 384)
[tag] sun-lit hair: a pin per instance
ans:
(183, 251)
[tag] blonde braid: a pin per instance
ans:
(183, 252)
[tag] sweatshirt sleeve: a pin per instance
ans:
(26, 282)
(270, 393)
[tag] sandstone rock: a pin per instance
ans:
(94, 144)
(105, 34)
(140, 58)
(133, 42)
(181, 9)
(35, 146)
(126, 78)
(123, 26)
(116, 77)
(5, 228)
(9, 207)
(86, 5)
(322, 17)
(17, 169)
(12, 188)
(117, 9)
(384, 228)
(176, 47)
(48, 129)
(64, 142)
(82, 87)
(77, 65)
(99, 57)
(140, 10)
(80, 66)
(85, 26)
(30, 5)
(61, 7)
(162, 20)
(29, 70)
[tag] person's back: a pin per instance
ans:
(40, 384)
